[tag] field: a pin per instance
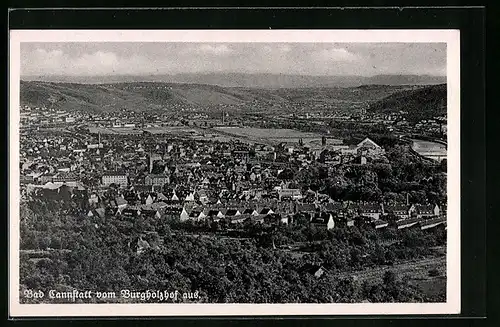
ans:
(273, 135)
(431, 150)
(177, 130)
(428, 146)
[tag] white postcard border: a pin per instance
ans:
(450, 37)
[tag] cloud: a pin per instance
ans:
(277, 58)
(285, 48)
(218, 49)
(99, 58)
(336, 54)
(56, 62)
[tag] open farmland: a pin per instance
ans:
(272, 135)
(175, 130)
(118, 131)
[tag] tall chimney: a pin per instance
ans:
(150, 162)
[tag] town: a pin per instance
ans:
(230, 175)
(198, 179)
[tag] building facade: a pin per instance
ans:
(156, 180)
(115, 178)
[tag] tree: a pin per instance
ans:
(287, 174)
(444, 165)
(389, 278)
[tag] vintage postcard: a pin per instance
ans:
(234, 172)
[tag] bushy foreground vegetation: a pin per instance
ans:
(252, 266)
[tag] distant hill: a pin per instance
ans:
(251, 80)
(420, 103)
(134, 97)
(148, 96)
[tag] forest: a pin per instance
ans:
(65, 252)
(420, 104)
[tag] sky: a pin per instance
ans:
(335, 59)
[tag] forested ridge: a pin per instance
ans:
(421, 103)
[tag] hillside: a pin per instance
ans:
(134, 97)
(250, 80)
(157, 96)
(420, 103)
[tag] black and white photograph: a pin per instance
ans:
(234, 172)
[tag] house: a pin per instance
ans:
(335, 208)
(425, 211)
(120, 203)
(112, 211)
(201, 196)
(399, 211)
(290, 193)
(190, 197)
(266, 211)
(329, 157)
(131, 212)
(371, 210)
(197, 214)
(285, 208)
(172, 212)
(139, 245)
(405, 223)
(431, 223)
(158, 205)
(285, 220)
(238, 218)
(379, 223)
(241, 154)
(46, 178)
(93, 199)
(323, 220)
(174, 197)
(156, 179)
(315, 270)
(232, 213)
(131, 197)
(250, 211)
(184, 214)
(305, 208)
(215, 214)
(114, 177)
(443, 209)
(150, 212)
(99, 213)
(257, 219)
(161, 197)
(149, 199)
(368, 147)
(271, 218)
